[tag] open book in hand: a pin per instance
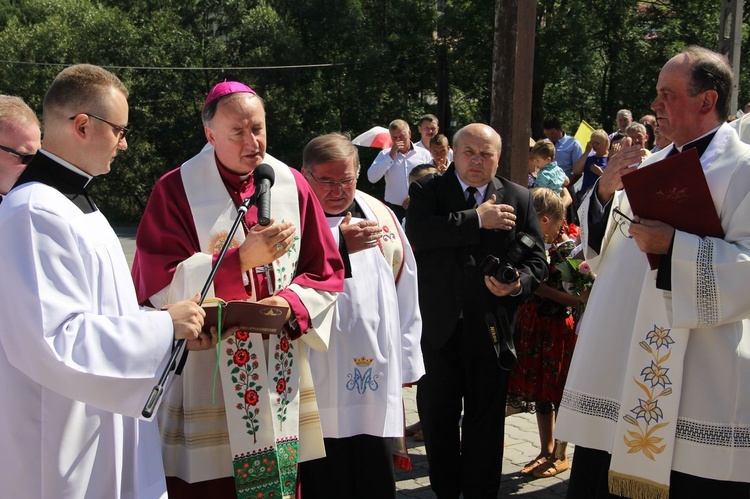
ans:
(674, 191)
(250, 316)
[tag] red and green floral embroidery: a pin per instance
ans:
(288, 452)
(284, 358)
(283, 275)
(245, 379)
(269, 473)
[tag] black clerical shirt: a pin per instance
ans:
(71, 184)
(356, 212)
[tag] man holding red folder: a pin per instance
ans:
(656, 400)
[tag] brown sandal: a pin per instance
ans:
(551, 468)
(533, 465)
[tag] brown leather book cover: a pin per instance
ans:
(250, 316)
(674, 191)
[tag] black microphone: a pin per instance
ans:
(264, 179)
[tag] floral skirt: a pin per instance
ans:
(545, 347)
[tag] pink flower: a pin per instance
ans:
(584, 268)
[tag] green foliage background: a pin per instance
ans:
(336, 65)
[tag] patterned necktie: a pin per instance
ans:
(471, 200)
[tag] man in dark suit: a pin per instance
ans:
(452, 231)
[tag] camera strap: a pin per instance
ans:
(501, 335)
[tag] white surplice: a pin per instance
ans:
(708, 297)
(374, 346)
(194, 429)
(78, 357)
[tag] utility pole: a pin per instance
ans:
(443, 89)
(730, 42)
(512, 75)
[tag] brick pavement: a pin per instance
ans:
(521, 437)
(522, 440)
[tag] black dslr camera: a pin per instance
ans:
(506, 272)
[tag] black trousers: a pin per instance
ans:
(588, 480)
(360, 466)
(469, 460)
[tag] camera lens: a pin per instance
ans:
(507, 275)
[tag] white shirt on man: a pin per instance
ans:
(396, 171)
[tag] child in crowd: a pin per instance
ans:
(548, 174)
(544, 338)
(532, 165)
(415, 174)
(422, 170)
(593, 161)
(441, 153)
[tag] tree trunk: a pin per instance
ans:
(512, 70)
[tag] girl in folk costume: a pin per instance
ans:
(545, 337)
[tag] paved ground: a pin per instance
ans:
(522, 440)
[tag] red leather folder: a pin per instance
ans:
(674, 191)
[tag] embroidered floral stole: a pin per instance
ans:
(260, 378)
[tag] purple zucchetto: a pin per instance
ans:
(226, 88)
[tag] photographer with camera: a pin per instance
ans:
(454, 222)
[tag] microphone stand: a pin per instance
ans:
(158, 390)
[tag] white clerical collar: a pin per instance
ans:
(679, 149)
(481, 190)
(67, 165)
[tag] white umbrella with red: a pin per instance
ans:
(377, 137)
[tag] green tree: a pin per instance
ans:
(335, 65)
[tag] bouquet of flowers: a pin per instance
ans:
(577, 274)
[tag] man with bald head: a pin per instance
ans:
(78, 357)
(19, 140)
(656, 400)
(455, 221)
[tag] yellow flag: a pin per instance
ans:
(583, 135)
